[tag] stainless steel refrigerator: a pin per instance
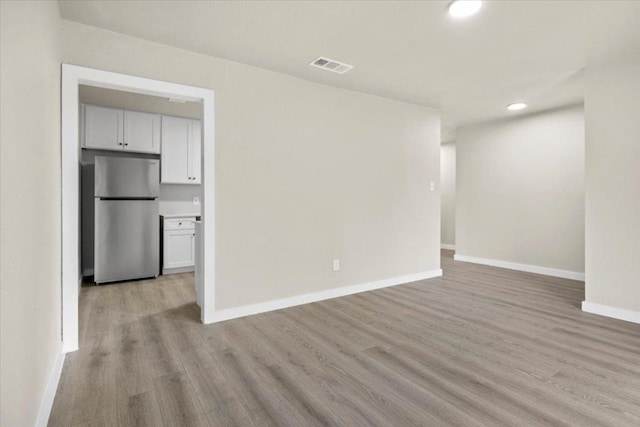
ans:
(127, 223)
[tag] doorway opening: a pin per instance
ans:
(108, 97)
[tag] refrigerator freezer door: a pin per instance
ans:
(118, 177)
(127, 239)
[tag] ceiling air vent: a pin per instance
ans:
(331, 65)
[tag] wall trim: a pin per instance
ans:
(46, 404)
(573, 275)
(613, 312)
(178, 270)
(448, 246)
(248, 310)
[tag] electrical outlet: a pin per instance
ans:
(196, 201)
(336, 265)
(432, 186)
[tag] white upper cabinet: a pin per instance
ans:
(141, 132)
(178, 139)
(103, 128)
(181, 139)
(112, 129)
(175, 153)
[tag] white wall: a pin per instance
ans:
(448, 193)
(520, 190)
(30, 283)
(612, 102)
(178, 199)
(305, 173)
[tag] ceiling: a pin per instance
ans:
(531, 51)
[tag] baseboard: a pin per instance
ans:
(614, 312)
(573, 275)
(87, 272)
(178, 270)
(448, 246)
(247, 310)
(50, 391)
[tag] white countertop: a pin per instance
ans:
(180, 215)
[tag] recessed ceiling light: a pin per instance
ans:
(516, 106)
(464, 8)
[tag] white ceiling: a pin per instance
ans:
(531, 51)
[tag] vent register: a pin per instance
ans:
(331, 65)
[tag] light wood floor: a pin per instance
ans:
(480, 346)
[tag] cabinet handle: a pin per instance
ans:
(179, 223)
(119, 143)
(194, 234)
(126, 143)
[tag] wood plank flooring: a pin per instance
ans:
(481, 346)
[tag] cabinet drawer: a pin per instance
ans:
(186, 223)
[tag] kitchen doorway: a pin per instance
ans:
(74, 76)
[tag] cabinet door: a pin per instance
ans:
(141, 132)
(175, 150)
(103, 128)
(195, 147)
(179, 248)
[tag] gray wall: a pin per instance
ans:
(612, 103)
(30, 283)
(448, 192)
(87, 216)
(520, 190)
(305, 173)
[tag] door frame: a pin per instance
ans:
(72, 77)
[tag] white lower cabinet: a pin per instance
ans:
(179, 236)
